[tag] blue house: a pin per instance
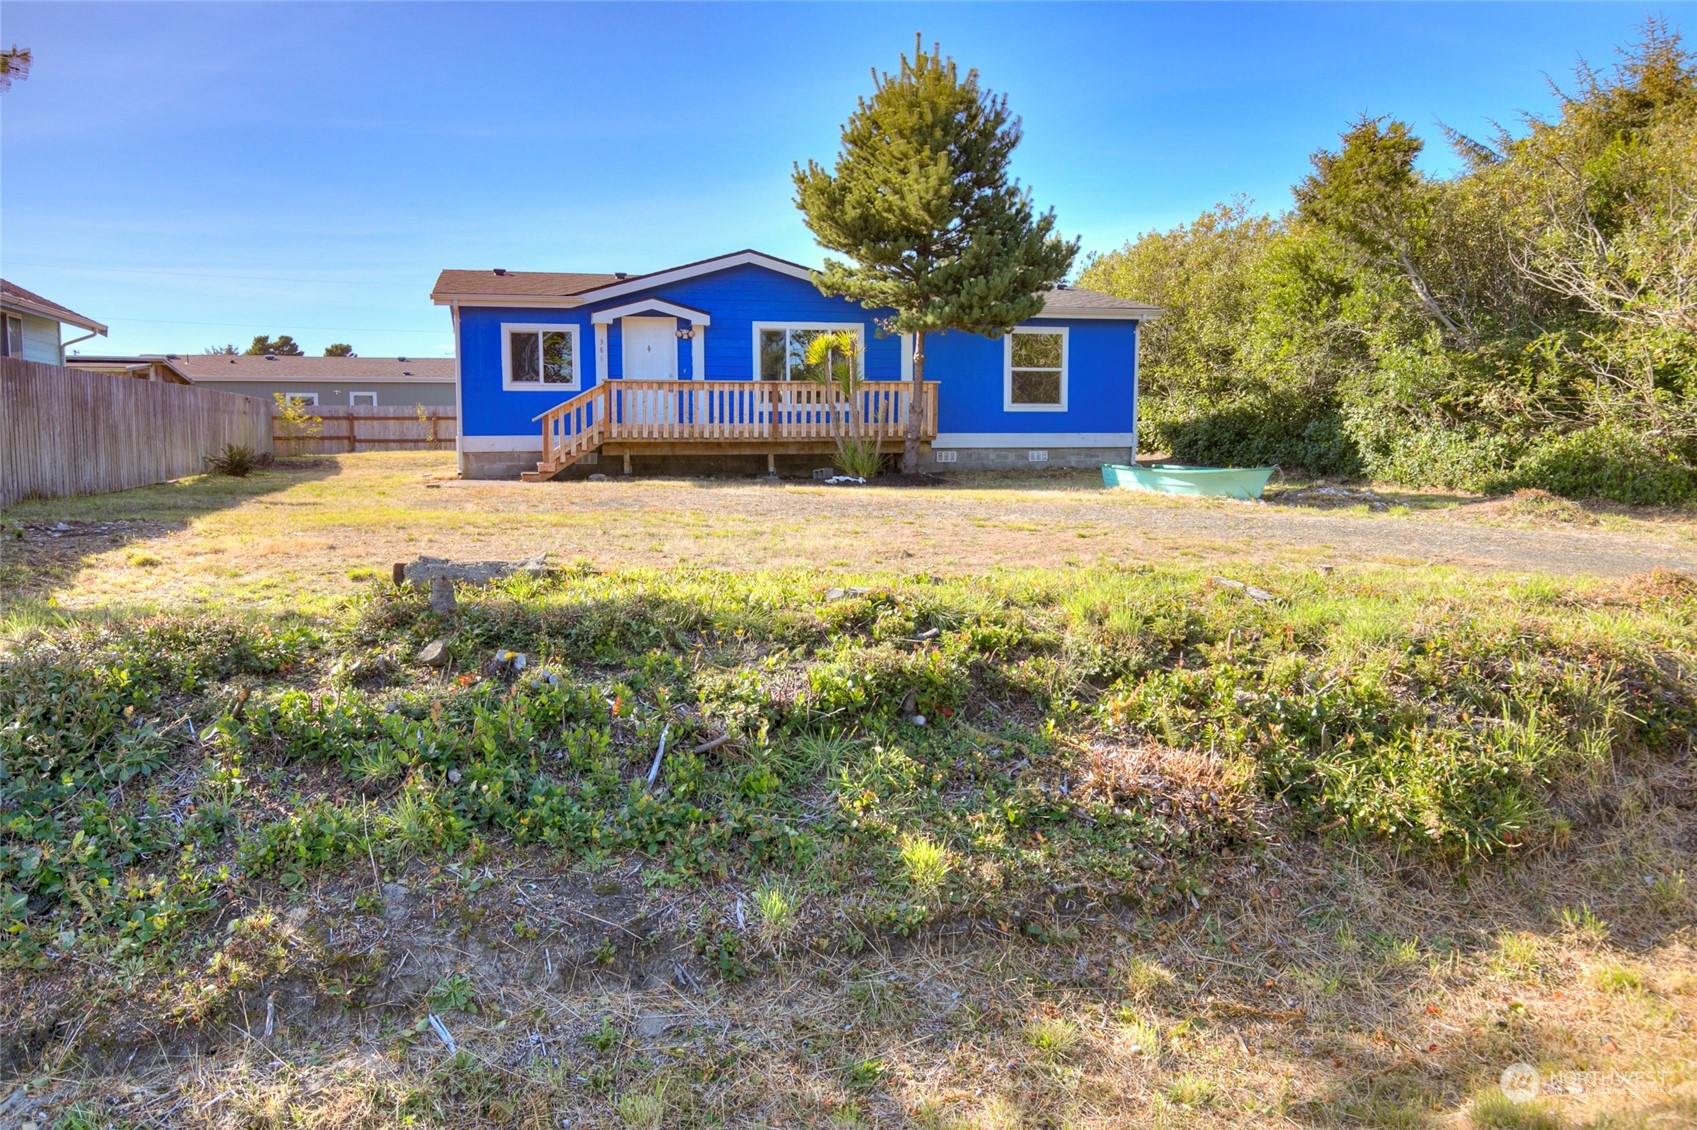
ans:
(704, 365)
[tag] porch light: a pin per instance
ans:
(686, 335)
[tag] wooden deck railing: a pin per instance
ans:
(709, 411)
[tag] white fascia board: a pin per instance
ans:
(531, 441)
(1033, 439)
(695, 270)
(695, 317)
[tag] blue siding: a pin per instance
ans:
(488, 410)
(1101, 356)
(1101, 363)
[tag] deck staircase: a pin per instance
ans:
(569, 432)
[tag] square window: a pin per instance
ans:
(540, 358)
(362, 399)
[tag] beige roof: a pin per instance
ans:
(15, 297)
(218, 367)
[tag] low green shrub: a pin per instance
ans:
(1607, 462)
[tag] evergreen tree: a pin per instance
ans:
(921, 204)
(339, 349)
(283, 346)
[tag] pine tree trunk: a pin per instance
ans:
(915, 406)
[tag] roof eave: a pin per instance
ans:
(57, 314)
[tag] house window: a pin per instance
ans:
(13, 345)
(539, 358)
(780, 350)
(367, 399)
(1035, 363)
(304, 399)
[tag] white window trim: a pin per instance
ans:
(859, 329)
(7, 328)
(1008, 404)
(362, 392)
(304, 399)
(510, 328)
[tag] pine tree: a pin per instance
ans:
(921, 203)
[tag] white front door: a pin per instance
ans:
(651, 348)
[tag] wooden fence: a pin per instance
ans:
(64, 431)
(341, 429)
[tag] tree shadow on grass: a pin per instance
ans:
(45, 542)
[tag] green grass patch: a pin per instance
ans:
(1107, 730)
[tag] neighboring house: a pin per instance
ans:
(392, 382)
(33, 326)
(706, 359)
(141, 368)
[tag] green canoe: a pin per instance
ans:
(1217, 482)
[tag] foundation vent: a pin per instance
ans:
(946, 456)
(1037, 456)
(592, 457)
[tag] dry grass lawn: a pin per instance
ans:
(311, 531)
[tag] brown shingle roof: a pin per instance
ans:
(16, 297)
(219, 367)
(518, 284)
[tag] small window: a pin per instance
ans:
(367, 399)
(304, 399)
(13, 344)
(781, 351)
(539, 358)
(1036, 371)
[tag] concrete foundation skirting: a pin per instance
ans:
(1019, 458)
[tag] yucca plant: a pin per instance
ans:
(833, 360)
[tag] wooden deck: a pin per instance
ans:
(720, 417)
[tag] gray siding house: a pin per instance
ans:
(33, 326)
(389, 382)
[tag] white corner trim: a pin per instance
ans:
(1008, 404)
(510, 328)
(531, 441)
(1051, 440)
(694, 270)
(698, 353)
(644, 305)
(459, 398)
(907, 357)
(1136, 395)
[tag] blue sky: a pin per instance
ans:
(197, 174)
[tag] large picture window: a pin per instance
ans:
(539, 358)
(780, 350)
(1036, 371)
